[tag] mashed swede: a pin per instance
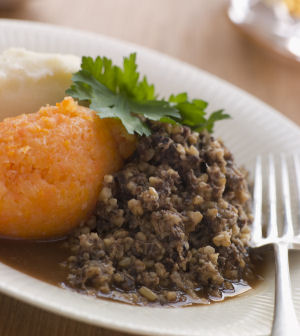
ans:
(52, 165)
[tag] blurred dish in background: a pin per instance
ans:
(293, 7)
(276, 23)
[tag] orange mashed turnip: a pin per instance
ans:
(52, 164)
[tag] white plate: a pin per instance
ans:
(255, 129)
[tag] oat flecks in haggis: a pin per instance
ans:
(171, 226)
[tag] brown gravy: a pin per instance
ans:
(38, 259)
(42, 260)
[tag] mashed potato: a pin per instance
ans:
(52, 165)
(34, 79)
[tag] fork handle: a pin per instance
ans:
(285, 320)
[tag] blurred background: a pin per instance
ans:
(196, 31)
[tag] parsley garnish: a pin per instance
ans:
(114, 92)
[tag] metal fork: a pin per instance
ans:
(285, 320)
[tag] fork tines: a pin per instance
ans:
(276, 198)
(297, 173)
(257, 203)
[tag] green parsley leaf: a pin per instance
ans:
(115, 92)
(209, 123)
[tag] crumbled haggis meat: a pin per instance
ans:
(171, 224)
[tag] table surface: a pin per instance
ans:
(197, 32)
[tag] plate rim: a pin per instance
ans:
(154, 52)
(150, 52)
